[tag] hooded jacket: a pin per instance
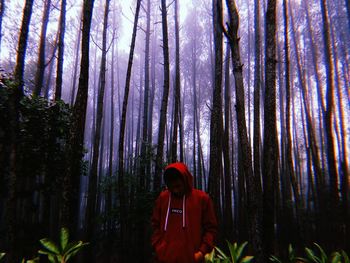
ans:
(184, 225)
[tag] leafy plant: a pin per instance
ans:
(313, 256)
(63, 251)
(2, 255)
(236, 254)
(291, 256)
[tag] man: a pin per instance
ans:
(183, 220)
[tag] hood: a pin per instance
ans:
(183, 171)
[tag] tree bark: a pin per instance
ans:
(228, 217)
(39, 76)
(71, 180)
(121, 171)
(76, 61)
(164, 106)
(145, 145)
(254, 194)
(177, 91)
(14, 103)
(270, 147)
(92, 189)
(2, 12)
(216, 122)
(62, 29)
(333, 208)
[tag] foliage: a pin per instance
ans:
(321, 256)
(236, 254)
(43, 129)
(62, 251)
(312, 256)
(2, 255)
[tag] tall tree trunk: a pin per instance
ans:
(39, 75)
(228, 217)
(270, 147)
(177, 91)
(257, 80)
(121, 171)
(62, 29)
(22, 46)
(344, 166)
(92, 189)
(329, 115)
(145, 145)
(71, 180)
(254, 204)
(50, 72)
(195, 115)
(216, 122)
(164, 106)
(76, 61)
(290, 175)
(108, 209)
(14, 103)
(2, 12)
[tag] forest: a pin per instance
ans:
(97, 97)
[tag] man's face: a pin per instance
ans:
(177, 187)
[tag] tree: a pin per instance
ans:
(216, 122)
(62, 29)
(228, 217)
(270, 145)
(329, 115)
(164, 106)
(121, 172)
(71, 179)
(177, 90)
(145, 144)
(2, 11)
(15, 97)
(92, 190)
(76, 61)
(39, 76)
(253, 186)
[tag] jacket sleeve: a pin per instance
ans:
(156, 224)
(210, 226)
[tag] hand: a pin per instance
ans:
(198, 256)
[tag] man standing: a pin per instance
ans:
(184, 222)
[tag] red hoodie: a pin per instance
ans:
(184, 225)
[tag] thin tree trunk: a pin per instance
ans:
(39, 75)
(257, 80)
(270, 147)
(177, 91)
(164, 106)
(2, 12)
(145, 145)
(341, 132)
(228, 217)
(50, 73)
(62, 29)
(216, 122)
(329, 115)
(254, 200)
(71, 180)
(98, 143)
(76, 61)
(14, 100)
(121, 171)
